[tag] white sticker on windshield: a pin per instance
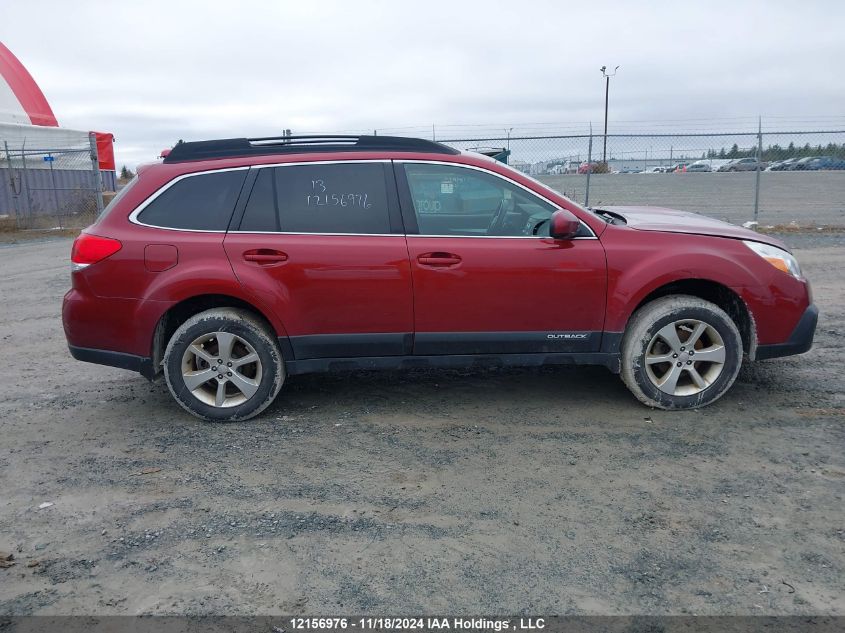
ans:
(447, 187)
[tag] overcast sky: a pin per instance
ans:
(153, 72)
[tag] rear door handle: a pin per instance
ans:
(265, 256)
(438, 259)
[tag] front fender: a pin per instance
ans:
(640, 262)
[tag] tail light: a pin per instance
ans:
(90, 249)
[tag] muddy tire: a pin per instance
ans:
(224, 365)
(680, 352)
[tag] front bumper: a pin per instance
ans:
(800, 341)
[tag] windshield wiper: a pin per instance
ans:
(607, 216)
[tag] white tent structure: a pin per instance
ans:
(44, 168)
(25, 116)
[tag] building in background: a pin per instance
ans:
(45, 169)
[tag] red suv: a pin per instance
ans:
(233, 264)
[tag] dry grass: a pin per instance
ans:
(41, 224)
(798, 228)
(25, 235)
(7, 224)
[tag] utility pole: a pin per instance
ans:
(607, 77)
(95, 169)
(759, 156)
(589, 167)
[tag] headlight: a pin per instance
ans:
(777, 257)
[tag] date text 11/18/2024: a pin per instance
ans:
(417, 623)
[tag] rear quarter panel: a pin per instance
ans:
(131, 298)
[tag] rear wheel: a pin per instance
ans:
(680, 352)
(223, 365)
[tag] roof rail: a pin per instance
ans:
(232, 147)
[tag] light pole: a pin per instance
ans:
(607, 77)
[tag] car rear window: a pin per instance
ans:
(204, 202)
(319, 198)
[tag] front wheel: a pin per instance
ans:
(680, 352)
(223, 365)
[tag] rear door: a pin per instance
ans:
(487, 277)
(324, 242)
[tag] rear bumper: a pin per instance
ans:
(800, 341)
(141, 364)
(110, 323)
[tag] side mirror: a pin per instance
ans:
(563, 225)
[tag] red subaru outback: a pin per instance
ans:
(235, 263)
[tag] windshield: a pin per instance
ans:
(546, 189)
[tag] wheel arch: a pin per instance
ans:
(716, 293)
(180, 312)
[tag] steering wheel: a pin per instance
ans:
(498, 220)
(537, 226)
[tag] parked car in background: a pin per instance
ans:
(236, 263)
(587, 167)
(655, 170)
(678, 168)
(782, 165)
(716, 163)
(569, 167)
(744, 164)
(698, 167)
(801, 164)
(825, 162)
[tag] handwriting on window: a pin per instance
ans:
(320, 196)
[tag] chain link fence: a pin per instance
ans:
(51, 187)
(776, 178)
(773, 177)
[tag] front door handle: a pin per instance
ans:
(265, 256)
(438, 259)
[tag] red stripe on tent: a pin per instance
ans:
(26, 90)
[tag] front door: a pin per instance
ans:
(487, 278)
(323, 243)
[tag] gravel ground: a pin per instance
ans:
(492, 491)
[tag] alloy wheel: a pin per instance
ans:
(221, 369)
(685, 357)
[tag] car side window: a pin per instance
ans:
(327, 198)
(453, 200)
(204, 202)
